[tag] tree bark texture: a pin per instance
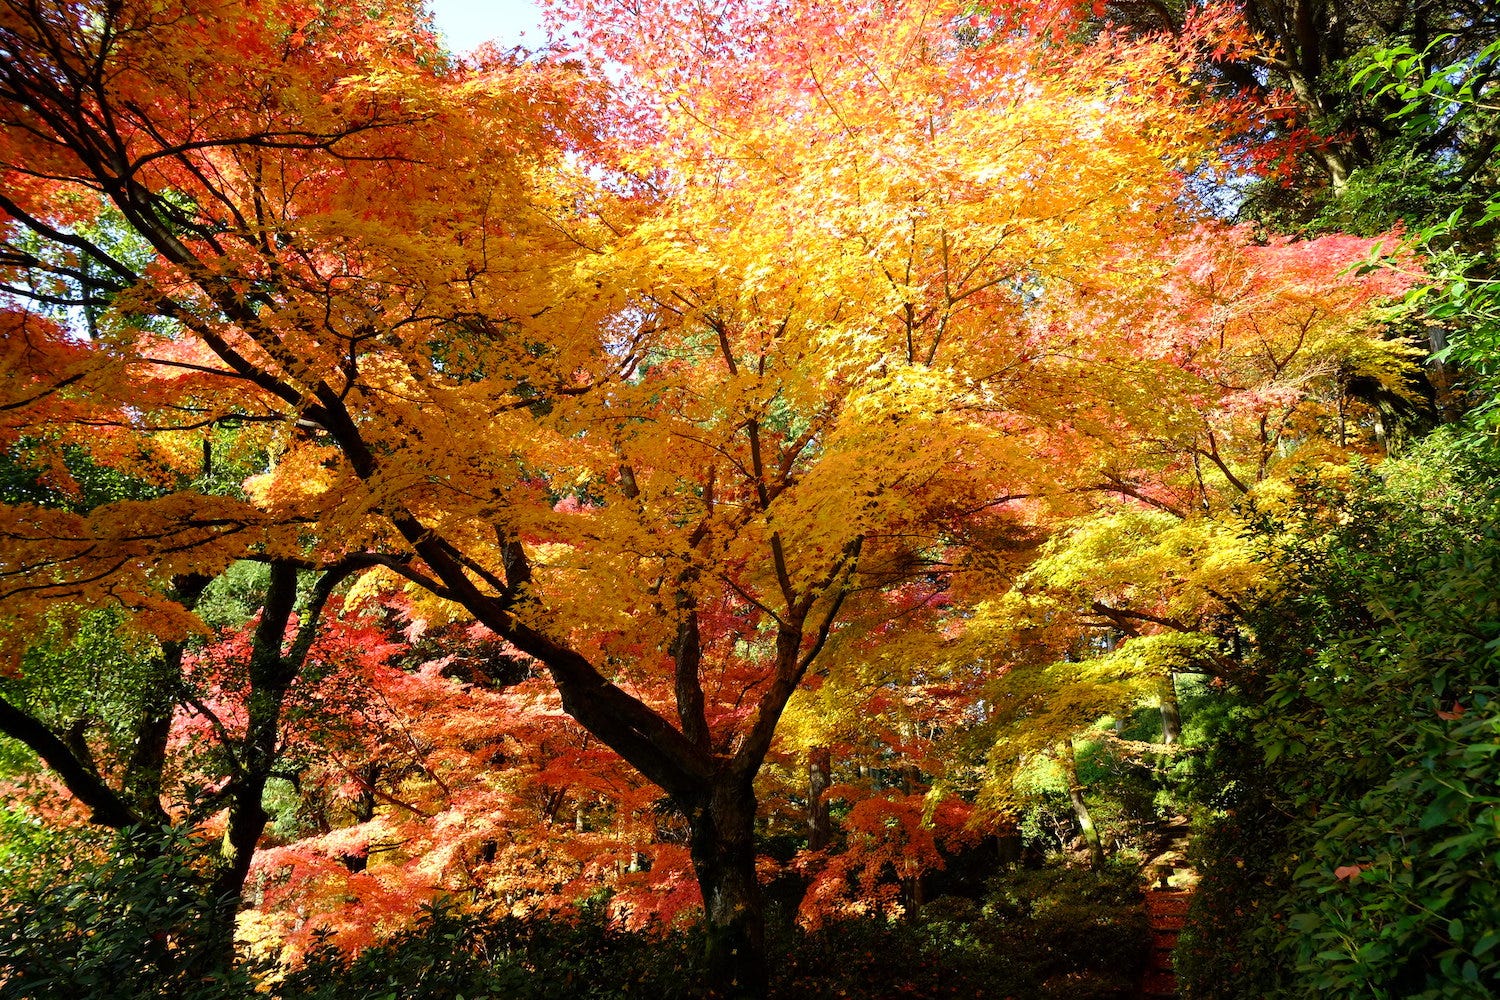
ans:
(723, 852)
(1171, 711)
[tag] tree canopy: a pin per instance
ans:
(696, 393)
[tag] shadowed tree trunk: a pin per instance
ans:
(713, 782)
(819, 777)
(1067, 756)
(723, 851)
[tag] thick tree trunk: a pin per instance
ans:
(723, 850)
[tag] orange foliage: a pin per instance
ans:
(891, 838)
(683, 391)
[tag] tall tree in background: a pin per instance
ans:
(1303, 57)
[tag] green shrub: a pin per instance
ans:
(91, 917)
(452, 953)
(1356, 854)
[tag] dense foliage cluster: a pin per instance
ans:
(770, 499)
(1357, 849)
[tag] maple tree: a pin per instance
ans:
(1153, 579)
(664, 393)
(420, 779)
(124, 750)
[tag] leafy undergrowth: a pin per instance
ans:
(1034, 935)
(83, 914)
(1352, 850)
(1057, 932)
(1037, 935)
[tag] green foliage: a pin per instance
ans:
(451, 953)
(1127, 795)
(15, 758)
(86, 917)
(1054, 932)
(85, 672)
(98, 485)
(235, 595)
(1355, 853)
(445, 955)
(1458, 229)
(1228, 951)
(1406, 188)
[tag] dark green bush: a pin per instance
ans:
(92, 917)
(1357, 851)
(1056, 932)
(451, 953)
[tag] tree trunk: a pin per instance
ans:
(819, 777)
(723, 850)
(1171, 712)
(913, 894)
(142, 782)
(147, 763)
(1080, 807)
(247, 819)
